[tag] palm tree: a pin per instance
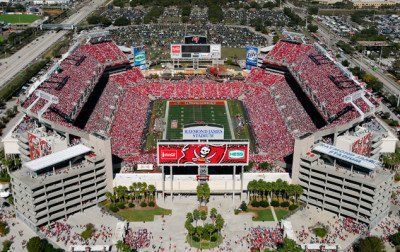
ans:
(119, 245)
(268, 188)
(110, 197)
(151, 189)
(250, 188)
(196, 215)
(298, 192)
(132, 189)
(213, 213)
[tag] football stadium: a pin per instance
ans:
(96, 120)
(94, 90)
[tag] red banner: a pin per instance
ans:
(202, 154)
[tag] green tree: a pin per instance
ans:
(395, 239)
(213, 213)
(122, 21)
(219, 222)
(312, 28)
(289, 245)
(209, 229)
(313, 10)
(196, 215)
(203, 215)
(93, 19)
(152, 190)
(35, 244)
(369, 244)
(215, 13)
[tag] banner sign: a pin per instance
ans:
(204, 132)
(203, 153)
(251, 57)
(139, 55)
(198, 51)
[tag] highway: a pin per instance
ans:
(22, 58)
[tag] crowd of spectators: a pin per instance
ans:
(274, 140)
(321, 79)
(339, 229)
(61, 232)
(74, 80)
(260, 238)
(138, 240)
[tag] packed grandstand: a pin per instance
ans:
(300, 91)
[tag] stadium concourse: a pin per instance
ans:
(96, 80)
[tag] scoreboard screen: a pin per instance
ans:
(195, 48)
(199, 51)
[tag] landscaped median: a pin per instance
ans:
(135, 204)
(284, 200)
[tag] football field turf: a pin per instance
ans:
(185, 112)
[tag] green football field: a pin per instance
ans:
(188, 113)
(19, 18)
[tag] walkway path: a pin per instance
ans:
(272, 209)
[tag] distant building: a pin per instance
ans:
(374, 3)
(51, 2)
(329, 1)
(364, 3)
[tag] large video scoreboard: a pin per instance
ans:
(193, 51)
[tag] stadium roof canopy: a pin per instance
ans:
(347, 156)
(57, 157)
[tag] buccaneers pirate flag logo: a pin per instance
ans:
(202, 154)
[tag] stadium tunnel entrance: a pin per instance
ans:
(194, 170)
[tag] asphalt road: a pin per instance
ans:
(22, 58)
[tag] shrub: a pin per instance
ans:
(236, 211)
(255, 203)
(243, 206)
(152, 204)
(113, 208)
(120, 205)
(293, 207)
(196, 239)
(131, 205)
(4, 229)
(214, 237)
(6, 245)
(264, 203)
(143, 204)
(34, 244)
(275, 203)
(285, 204)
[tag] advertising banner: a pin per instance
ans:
(139, 54)
(251, 57)
(206, 153)
(203, 132)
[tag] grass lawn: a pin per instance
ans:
(263, 215)
(281, 213)
(320, 232)
(204, 244)
(138, 215)
(87, 233)
(231, 52)
(19, 18)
